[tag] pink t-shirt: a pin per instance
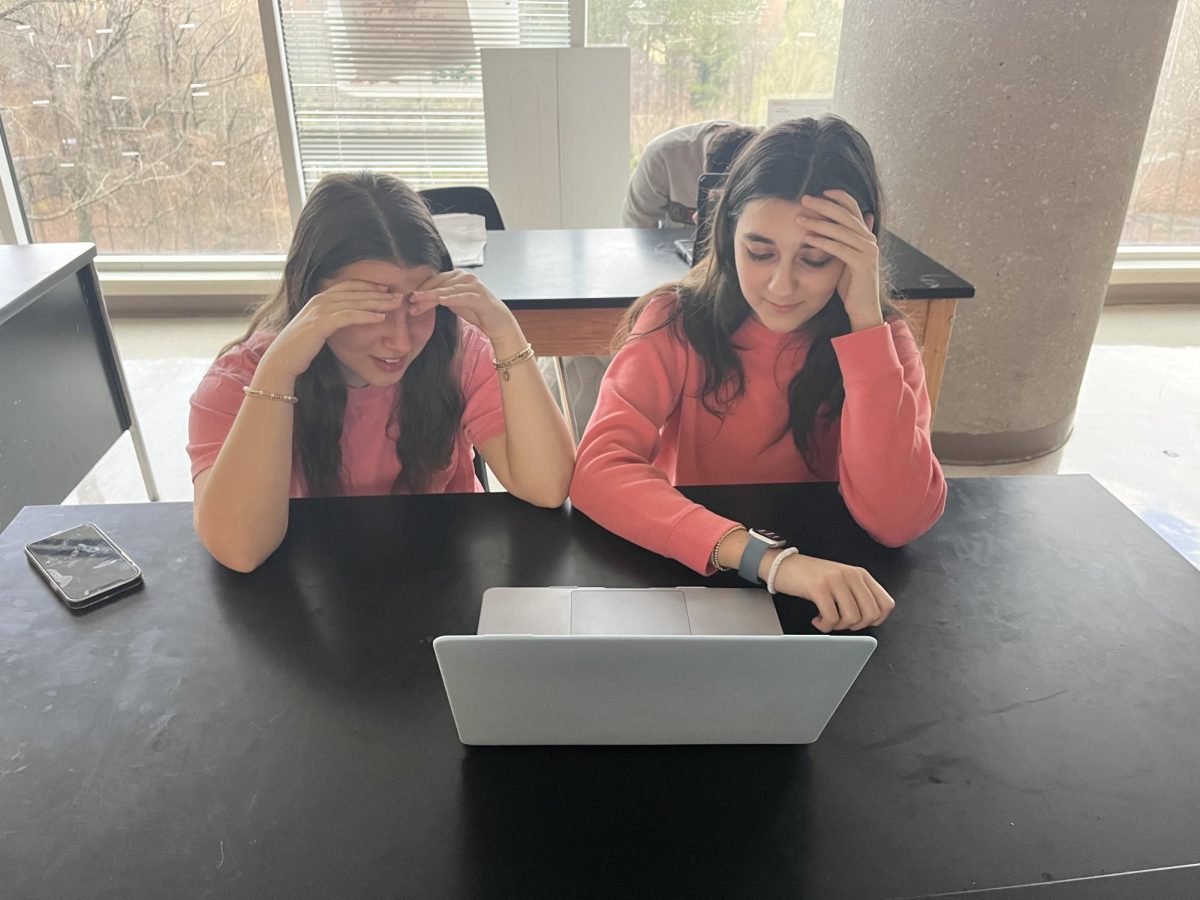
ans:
(650, 431)
(369, 463)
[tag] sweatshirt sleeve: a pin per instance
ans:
(887, 473)
(615, 482)
(647, 199)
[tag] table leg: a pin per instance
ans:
(143, 458)
(936, 347)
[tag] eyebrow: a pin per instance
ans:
(761, 239)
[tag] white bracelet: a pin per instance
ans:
(783, 554)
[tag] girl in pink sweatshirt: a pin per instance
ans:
(776, 359)
(376, 369)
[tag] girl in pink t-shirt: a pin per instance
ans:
(376, 368)
(776, 359)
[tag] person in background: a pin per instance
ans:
(777, 359)
(377, 368)
(662, 190)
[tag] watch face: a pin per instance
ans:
(769, 537)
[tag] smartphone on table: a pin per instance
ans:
(83, 566)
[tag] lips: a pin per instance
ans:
(781, 308)
(391, 365)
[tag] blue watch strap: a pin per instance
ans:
(755, 550)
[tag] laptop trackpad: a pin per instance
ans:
(614, 611)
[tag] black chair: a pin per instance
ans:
(480, 202)
(465, 199)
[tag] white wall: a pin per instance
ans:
(557, 125)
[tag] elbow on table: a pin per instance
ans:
(894, 537)
(229, 554)
(546, 498)
(543, 492)
(236, 559)
(904, 531)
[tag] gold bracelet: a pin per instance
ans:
(717, 549)
(503, 365)
(269, 395)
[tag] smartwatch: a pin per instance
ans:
(760, 542)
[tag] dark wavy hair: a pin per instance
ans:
(787, 161)
(351, 217)
(725, 144)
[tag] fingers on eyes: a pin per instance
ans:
(343, 297)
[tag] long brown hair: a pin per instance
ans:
(788, 161)
(351, 217)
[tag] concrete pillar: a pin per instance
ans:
(1008, 134)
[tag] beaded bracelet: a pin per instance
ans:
(717, 549)
(269, 395)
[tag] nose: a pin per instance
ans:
(783, 279)
(397, 339)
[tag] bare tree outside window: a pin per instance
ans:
(693, 60)
(1165, 206)
(143, 125)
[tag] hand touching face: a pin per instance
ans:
(789, 266)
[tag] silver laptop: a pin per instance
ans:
(655, 666)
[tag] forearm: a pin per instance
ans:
(887, 472)
(539, 446)
(241, 508)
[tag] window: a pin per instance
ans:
(143, 125)
(693, 60)
(395, 85)
(1165, 206)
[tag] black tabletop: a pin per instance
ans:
(1030, 715)
(27, 270)
(607, 267)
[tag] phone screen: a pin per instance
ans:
(83, 562)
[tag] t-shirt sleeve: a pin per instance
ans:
(483, 414)
(216, 402)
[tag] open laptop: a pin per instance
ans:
(704, 189)
(642, 666)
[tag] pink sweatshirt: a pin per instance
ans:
(369, 463)
(650, 432)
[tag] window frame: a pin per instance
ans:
(229, 275)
